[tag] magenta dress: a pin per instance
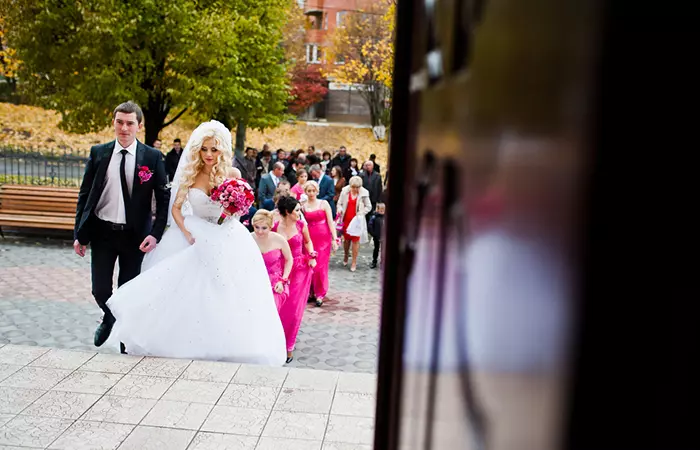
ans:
(274, 261)
(323, 239)
(292, 309)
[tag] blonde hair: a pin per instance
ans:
(279, 192)
(310, 183)
(355, 181)
(262, 216)
(219, 171)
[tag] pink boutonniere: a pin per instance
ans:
(145, 174)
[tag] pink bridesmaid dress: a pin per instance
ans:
(274, 261)
(322, 239)
(292, 310)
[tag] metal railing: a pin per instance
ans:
(60, 168)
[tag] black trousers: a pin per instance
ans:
(108, 246)
(377, 247)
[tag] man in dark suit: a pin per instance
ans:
(371, 181)
(267, 186)
(377, 168)
(326, 188)
(172, 159)
(114, 208)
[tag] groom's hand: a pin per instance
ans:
(79, 249)
(148, 244)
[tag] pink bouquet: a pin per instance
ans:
(236, 197)
(339, 223)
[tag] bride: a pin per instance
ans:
(204, 292)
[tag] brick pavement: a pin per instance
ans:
(45, 301)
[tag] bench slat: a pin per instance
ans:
(38, 207)
(19, 212)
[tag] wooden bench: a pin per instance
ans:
(37, 207)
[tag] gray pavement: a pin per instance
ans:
(45, 301)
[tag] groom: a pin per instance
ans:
(114, 208)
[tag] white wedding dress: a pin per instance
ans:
(210, 300)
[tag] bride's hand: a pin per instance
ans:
(189, 237)
(279, 287)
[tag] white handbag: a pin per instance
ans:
(355, 227)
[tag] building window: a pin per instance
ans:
(315, 20)
(325, 21)
(340, 18)
(314, 54)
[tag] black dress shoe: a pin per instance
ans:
(122, 348)
(373, 265)
(102, 333)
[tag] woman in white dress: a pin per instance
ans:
(204, 292)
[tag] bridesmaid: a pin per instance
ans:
(298, 189)
(323, 235)
(276, 254)
(297, 235)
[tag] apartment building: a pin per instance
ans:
(343, 103)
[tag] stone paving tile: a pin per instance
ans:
(286, 409)
(152, 438)
(219, 441)
(45, 301)
(92, 436)
(36, 432)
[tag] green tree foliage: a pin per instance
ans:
(211, 57)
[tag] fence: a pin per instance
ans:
(62, 168)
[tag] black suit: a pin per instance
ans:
(109, 244)
(172, 159)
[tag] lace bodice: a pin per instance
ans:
(202, 206)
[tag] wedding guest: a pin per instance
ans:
(338, 182)
(173, 158)
(371, 181)
(291, 172)
(157, 144)
(246, 164)
(342, 159)
(319, 218)
(264, 165)
(354, 201)
(325, 185)
(276, 254)
(377, 168)
(375, 227)
(267, 185)
(325, 162)
(310, 150)
(352, 171)
(297, 235)
(302, 178)
(282, 190)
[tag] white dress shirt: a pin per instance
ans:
(111, 205)
(274, 179)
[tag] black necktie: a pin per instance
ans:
(125, 187)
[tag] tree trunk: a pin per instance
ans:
(154, 123)
(240, 137)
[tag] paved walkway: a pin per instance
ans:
(45, 301)
(62, 399)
